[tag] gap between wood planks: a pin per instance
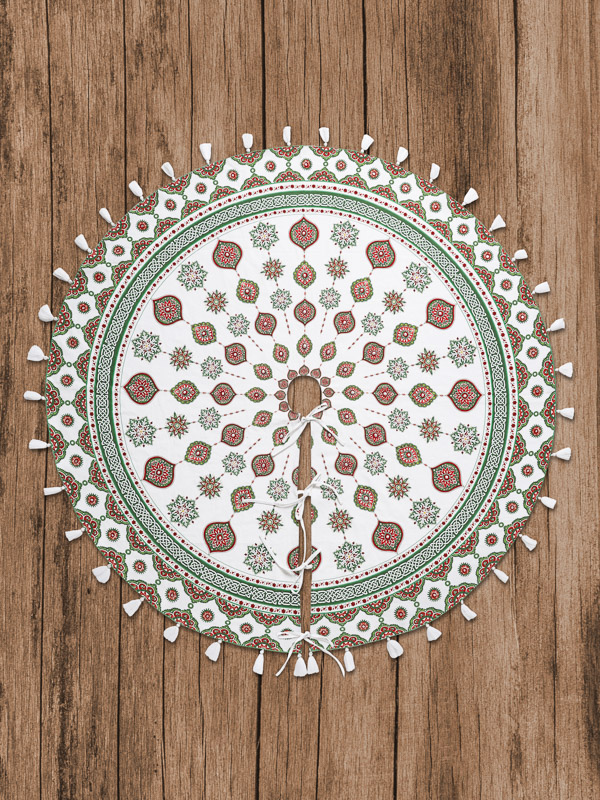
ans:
(304, 395)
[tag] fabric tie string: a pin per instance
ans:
(296, 431)
(298, 504)
(321, 642)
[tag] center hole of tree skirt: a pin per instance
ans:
(304, 394)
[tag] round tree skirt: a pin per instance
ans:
(167, 397)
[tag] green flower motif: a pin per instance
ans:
(141, 431)
(234, 463)
(209, 418)
(177, 425)
(399, 420)
(344, 235)
(424, 512)
(182, 511)
(397, 369)
(461, 351)
(211, 367)
(430, 429)
(332, 488)
(146, 345)
(210, 486)
(428, 361)
(372, 324)
(192, 276)
(340, 520)
(269, 521)
(375, 463)
(272, 269)
(281, 299)
(216, 302)
(349, 556)
(393, 302)
(180, 358)
(398, 487)
(329, 298)
(337, 268)
(278, 489)
(238, 325)
(416, 277)
(258, 558)
(264, 236)
(465, 438)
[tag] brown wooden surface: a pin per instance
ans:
(503, 94)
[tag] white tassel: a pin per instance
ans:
(136, 189)
(287, 139)
(37, 444)
(247, 141)
(300, 670)
(206, 151)
(62, 275)
(432, 633)
(529, 543)
(349, 660)
(549, 502)
(434, 172)
(46, 315)
(467, 612)
(564, 454)
(567, 413)
(132, 606)
(311, 665)
(33, 396)
(82, 244)
(402, 155)
(500, 574)
(172, 633)
(74, 534)
(557, 325)
(213, 650)
(104, 213)
(470, 197)
(366, 142)
(566, 369)
(52, 490)
(520, 255)
(324, 134)
(102, 574)
(497, 223)
(168, 170)
(395, 650)
(259, 664)
(542, 288)
(36, 354)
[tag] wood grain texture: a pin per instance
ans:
(504, 96)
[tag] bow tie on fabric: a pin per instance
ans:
(321, 642)
(297, 504)
(295, 431)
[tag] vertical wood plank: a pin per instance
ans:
(557, 155)
(158, 128)
(214, 754)
(25, 168)
(81, 618)
(314, 76)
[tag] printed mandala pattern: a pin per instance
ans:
(169, 413)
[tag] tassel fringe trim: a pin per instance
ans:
(36, 354)
(171, 634)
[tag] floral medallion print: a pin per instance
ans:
(169, 390)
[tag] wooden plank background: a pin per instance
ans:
(503, 94)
